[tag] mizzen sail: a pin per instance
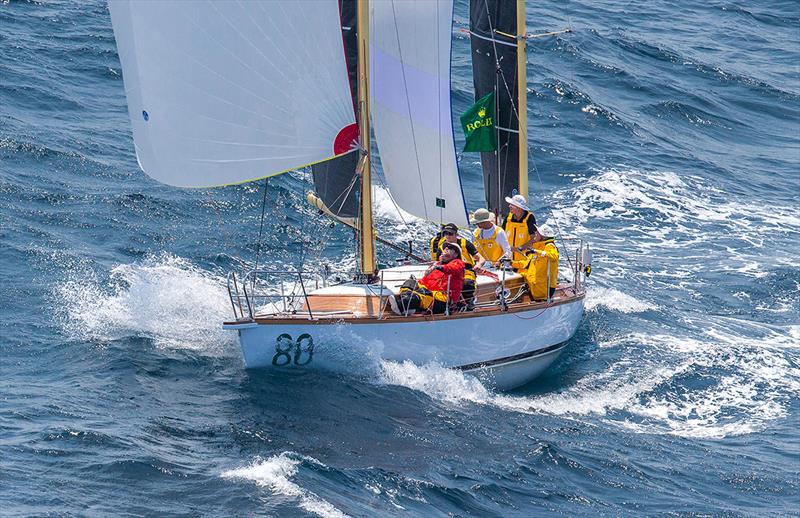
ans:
(492, 24)
(410, 93)
(223, 93)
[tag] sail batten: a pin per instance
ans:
(212, 88)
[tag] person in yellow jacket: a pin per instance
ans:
(520, 225)
(542, 259)
(490, 240)
(469, 255)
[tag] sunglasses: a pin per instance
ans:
(448, 233)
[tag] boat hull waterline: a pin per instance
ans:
(505, 350)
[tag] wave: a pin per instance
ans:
(661, 209)
(163, 298)
(275, 473)
(724, 385)
(660, 53)
(615, 300)
(37, 151)
(691, 113)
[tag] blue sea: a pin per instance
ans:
(667, 134)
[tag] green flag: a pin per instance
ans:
(478, 124)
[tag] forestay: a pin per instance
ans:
(222, 93)
(410, 93)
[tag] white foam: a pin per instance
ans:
(590, 109)
(749, 382)
(164, 298)
(275, 474)
(794, 334)
(385, 207)
(635, 219)
(686, 202)
(436, 381)
(615, 300)
(399, 225)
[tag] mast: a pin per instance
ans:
(522, 99)
(365, 231)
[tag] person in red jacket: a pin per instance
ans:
(430, 293)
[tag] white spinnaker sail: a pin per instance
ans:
(410, 94)
(226, 92)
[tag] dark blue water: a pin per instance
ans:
(667, 135)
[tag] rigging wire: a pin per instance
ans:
(498, 74)
(261, 225)
(516, 112)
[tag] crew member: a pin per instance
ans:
(520, 225)
(542, 263)
(430, 293)
(435, 241)
(490, 240)
(469, 255)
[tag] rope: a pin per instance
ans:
(530, 318)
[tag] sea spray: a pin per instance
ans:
(164, 298)
(276, 474)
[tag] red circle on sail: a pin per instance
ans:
(346, 139)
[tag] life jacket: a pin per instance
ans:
(452, 276)
(434, 246)
(488, 247)
(469, 262)
(535, 270)
(517, 233)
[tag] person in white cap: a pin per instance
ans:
(541, 265)
(490, 240)
(520, 225)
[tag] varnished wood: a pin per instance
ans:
(359, 305)
(563, 295)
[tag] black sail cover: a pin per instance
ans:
(486, 18)
(335, 181)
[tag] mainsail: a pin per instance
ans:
(410, 102)
(335, 181)
(493, 24)
(223, 93)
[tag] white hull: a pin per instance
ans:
(504, 349)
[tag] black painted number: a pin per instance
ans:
(303, 350)
(283, 346)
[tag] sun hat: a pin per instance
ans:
(545, 230)
(481, 216)
(518, 200)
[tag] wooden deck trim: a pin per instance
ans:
(391, 318)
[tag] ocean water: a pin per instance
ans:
(666, 134)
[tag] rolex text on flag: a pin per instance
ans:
(478, 124)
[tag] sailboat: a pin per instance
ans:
(227, 93)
